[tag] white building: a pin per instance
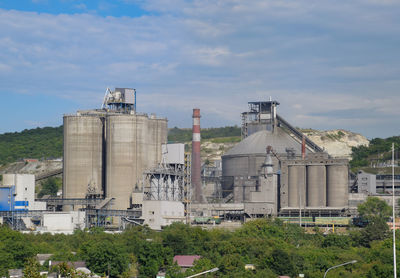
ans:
(24, 198)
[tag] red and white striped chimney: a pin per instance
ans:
(196, 160)
(303, 148)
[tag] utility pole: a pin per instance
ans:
(394, 217)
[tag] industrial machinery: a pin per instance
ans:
(303, 177)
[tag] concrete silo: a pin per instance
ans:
(132, 148)
(337, 185)
(316, 186)
(297, 186)
(83, 155)
(110, 148)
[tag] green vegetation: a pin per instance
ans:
(37, 143)
(50, 187)
(181, 135)
(376, 212)
(231, 139)
(274, 248)
(333, 136)
(379, 150)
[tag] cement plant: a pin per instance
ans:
(119, 170)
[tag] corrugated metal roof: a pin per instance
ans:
(257, 143)
(186, 260)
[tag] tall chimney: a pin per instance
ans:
(196, 160)
(303, 148)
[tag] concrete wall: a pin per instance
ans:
(265, 200)
(157, 214)
(63, 222)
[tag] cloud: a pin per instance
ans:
(316, 57)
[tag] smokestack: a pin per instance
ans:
(196, 160)
(303, 148)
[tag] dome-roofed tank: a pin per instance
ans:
(246, 158)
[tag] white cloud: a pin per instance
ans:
(312, 56)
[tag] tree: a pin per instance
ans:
(32, 268)
(50, 187)
(374, 207)
(69, 272)
(376, 211)
(281, 263)
(102, 256)
(132, 270)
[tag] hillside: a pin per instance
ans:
(337, 143)
(180, 135)
(39, 143)
(377, 156)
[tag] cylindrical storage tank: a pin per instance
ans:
(122, 158)
(131, 149)
(155, 137)
(337, 185)
(296, 185)
(162, 135)
(83, 154)
(316, 186)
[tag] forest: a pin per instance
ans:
(273, 247)
(378, 150)
(39, 143)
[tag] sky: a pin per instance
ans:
(330, 64)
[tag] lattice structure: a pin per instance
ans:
(165, 183)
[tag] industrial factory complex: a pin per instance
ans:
(120, 170)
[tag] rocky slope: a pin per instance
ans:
(337, 143)
(34, 168)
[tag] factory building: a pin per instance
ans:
(371, 184)
(107, 150)
(17, 193)
(293, 175)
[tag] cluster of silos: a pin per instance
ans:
(111, 151)
(317, 185)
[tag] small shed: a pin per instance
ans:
(186, 261)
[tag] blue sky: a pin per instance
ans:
(331, 64)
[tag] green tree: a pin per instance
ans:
(102, 256)
(281, 263)
(32, 268)
(132, 270)
(376, 211)
(374, 207)
(50, 187)
(334, 240)
(69, 272)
